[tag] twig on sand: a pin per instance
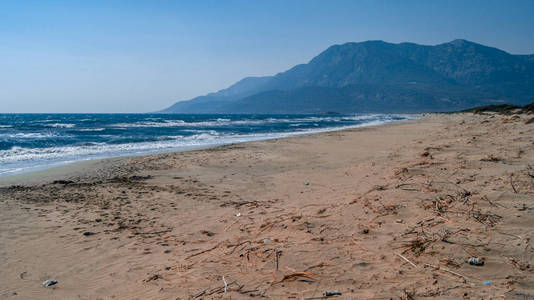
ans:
(400, 186)
(409, 295)
(237, 245)
(155, 232)
(204, 251)
(411, 263)
(277, 255)
(248, 291)
(510, 234)
(231, 224)
(319, 265)
(448, 271)
(492, 203)
(199, 294)
(512, 182)
(530, 171)
(215, 290)
(305, 275)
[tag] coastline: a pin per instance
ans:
(393, 210)
(76, 169)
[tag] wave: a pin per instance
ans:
(228, 122)
(191, 134)
(61, 125)
(30, 135)
(201, 139)
(91, 129)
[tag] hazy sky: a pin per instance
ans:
(140, 56)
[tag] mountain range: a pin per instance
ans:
(381, 77)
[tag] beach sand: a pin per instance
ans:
(386, 212)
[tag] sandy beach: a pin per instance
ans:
(388, 212)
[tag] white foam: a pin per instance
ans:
(61, 125)
(91, 129)
(228, 122)
(29, 135)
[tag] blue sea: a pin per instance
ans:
(30, 142)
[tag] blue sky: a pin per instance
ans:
(140, 56)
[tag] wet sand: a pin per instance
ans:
(393, 211)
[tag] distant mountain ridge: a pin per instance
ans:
(376, 76)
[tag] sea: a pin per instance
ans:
(31, 142)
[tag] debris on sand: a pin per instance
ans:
(332, 293)
(476, 261)
(49, 282)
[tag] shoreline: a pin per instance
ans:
(390, 211)
(67, 170)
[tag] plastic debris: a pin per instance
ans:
(332, 293)
(307, 183)
(476, 261)
(49, 282)
(487, 282)
(238, 215)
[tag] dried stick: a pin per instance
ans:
(237, 245)
(512, 183)
(199, 294)
(447, 270)
(411, 263)
(204, 251)
(510, 234)
(155, 232)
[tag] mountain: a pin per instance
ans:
(375, 76)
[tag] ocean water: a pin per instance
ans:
(30, 142)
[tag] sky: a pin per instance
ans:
(140, 56)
